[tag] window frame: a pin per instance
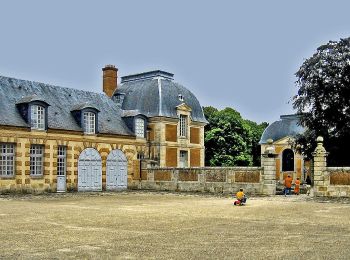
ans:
(140, 155)
(186, 158)
(139, 128)
(183, 125)
(7, 157)
(87, 125)
(38, 122)
(61, 160)
(36, 159)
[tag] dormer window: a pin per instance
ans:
(181, 98)
(140, 127)
(34, 110)
(89, 119)
(37, 117)
(86, 116)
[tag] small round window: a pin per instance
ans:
(181, 98)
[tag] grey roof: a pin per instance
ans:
(62, 101)
(287, 126)
(147, 75)
(155, 93)
(84, 105)
(30, 98)
(130, 113)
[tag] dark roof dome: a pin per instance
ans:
(155, 93)
(287, 126)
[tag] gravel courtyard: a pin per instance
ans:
(147, 225)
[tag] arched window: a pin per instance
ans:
(287, 160)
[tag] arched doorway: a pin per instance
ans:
(117, 171)
(89, 170)
(288, 160)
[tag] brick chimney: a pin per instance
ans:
(110, 75)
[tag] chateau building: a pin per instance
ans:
(175, 125)
(58, 139)
(288, 161)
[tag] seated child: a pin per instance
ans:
(241, 196)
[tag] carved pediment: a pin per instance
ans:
(184, 107)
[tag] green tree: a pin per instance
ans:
(230, 140)
(256, 132)
(323, 99)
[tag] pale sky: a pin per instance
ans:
(240, 54)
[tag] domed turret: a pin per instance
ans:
(287, 126)
(155, 94)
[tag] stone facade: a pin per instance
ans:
(165, 142)
(148, 137)
(301, 167)
(75, 143)
(175, 119)
(283, 132)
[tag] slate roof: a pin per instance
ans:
(62, 101)
(287, 126)
(30, 98)
(155, 93)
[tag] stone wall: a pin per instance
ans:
(339, 175)
(336, 182)
(75, 143)
(204, 179)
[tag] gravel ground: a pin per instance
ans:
(150, 225)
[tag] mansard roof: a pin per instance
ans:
(288, 125)
(31, 98)
(62, 101)
(155, 93)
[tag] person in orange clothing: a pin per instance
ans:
(297, 187)
(287, 185)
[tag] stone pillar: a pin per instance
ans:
(320, 165)
(268, 162)
(175, 179)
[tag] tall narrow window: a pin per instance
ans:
(37, 117)
(36, 160)
(61, 160)
(140, 127)
(288, 160)
(89, 122)
(7, 159)
(140, 155)
(183, 159)
(183, 126)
